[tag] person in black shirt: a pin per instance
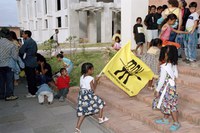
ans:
(43, 71)
(138, 32)
(152, 26)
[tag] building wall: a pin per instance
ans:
(15, 29)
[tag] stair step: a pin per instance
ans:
(188, 70)
(137, 109)
(189, 81)
(187, 110)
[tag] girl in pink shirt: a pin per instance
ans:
(167, 29)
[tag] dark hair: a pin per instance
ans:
(13, 35)
(63, 69)
(159, 7)
(152, 6)
(171, 52)
(28, 32)
(60, 55)
(193, 4)
(169, 17)
(40, 58)
(118, 31)
(85, 67)
(174, 3)
(156, 42)
(184, 3)
(5, 33)
(139, 18)
(117, 38)
(164, 7)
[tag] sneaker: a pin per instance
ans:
(11, 98)
(162, 121)
(49, 103)
(29, 95)
(61, 99)
(102, 120)
(175, 126)
(77, 130)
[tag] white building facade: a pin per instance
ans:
(91, 20)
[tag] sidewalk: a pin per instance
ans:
(28, 116)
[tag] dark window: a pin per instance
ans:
(46, 23)
(59, 24)
(106, 1)
(82, 0)
(58, 5)
(35, 3)
(45, 6)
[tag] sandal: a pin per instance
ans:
(78, 130)
(175, 126)
(103, 119)
(162, 121)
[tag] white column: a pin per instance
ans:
(106, 24)
(130, 10)
(92, 28)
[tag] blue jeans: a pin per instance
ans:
(6, 82)
(191, 46)
(180, 40)
(62, 92)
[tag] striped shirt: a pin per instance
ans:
(8, 51)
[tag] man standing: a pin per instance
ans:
(8, 52)
(152, 26)
(56, 45)
(29, 52)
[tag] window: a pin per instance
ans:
(59, 24)
(106, 1)
(58, 5)
(66, 21)
(46, 24)
(36, 25)
(82, 0)
(35, 5)
(45, 6)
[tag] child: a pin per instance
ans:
(67, 63)
(138, 32)
(167, 29)
(117, 44)
(191, 39)
(44, 90)
(166, 92)
(62, 84)
(151, 58)
(88, 102)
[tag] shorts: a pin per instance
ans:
(152, 34)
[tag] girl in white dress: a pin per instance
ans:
(88, 102)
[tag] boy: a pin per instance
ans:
(152, 26)
(191, 39)
(62, 84)
(44, 90)
(138, 32)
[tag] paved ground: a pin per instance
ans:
(27, 116)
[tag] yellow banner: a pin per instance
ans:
(127, 71)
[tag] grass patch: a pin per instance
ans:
(81, 45)
(98, 59)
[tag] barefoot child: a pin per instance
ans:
(166, 92)
(88, 102)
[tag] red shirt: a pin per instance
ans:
(63, 82)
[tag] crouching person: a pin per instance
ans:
(44, 90)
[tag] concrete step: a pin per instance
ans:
(139, 110)
(189, 81)
(188, 110)
(119, 122)
(188, 70)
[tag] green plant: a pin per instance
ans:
(48, 46)
(72, 41)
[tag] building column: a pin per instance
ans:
(106, 24)
(92, 27)
(130, 10)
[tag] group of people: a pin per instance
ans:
(174, 24)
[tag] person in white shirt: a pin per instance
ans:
(191, 39)
(88, 102)
(166, 96)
